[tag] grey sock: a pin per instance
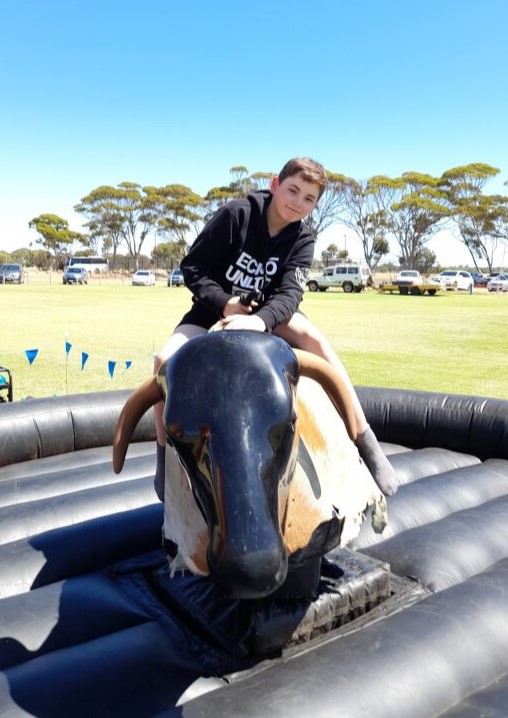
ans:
(160, 472)
(376, 462)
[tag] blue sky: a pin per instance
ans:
(160, 91)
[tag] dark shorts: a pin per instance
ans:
(200, 316)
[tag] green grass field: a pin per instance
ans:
(453, 342)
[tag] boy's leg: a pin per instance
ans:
(180, 336)
(300, 333)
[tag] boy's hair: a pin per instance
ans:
(310, 170)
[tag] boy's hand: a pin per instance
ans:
(234, 307)
(242, 321)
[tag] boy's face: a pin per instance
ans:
(293, 198)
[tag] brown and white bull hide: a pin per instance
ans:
(346, 487)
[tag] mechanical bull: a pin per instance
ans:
(262, 471)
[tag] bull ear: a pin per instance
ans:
(136, 405)
(325, 374)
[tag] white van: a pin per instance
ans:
(351, 277)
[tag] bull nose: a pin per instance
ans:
(251, 575)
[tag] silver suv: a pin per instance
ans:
(75, 275)
(12, 273)
(351, 277)
(175, 278)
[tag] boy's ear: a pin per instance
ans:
(274, 184)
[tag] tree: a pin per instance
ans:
(124, 215)
(262, 180)
(333, 250)
(413, 207)
(241, 183)
(329, 206)
(91, 243)
(380, 248)
(55, 235)
(215, 198)
(426, 261)
(177, 208)
(23, 256)
(500, 219)
(104, 226)
(239, 187)
(333, 254)
(363, 215)
(166, 255)
(482, 225)
(41, 259)
(482, 220)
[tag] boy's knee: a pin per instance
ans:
(313, 340)
(158, 361)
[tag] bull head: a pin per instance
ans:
(230, 415)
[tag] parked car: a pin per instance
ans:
(479, 279)
(351, 277)
(11, 273)
(75, 275)
(493, 275)
(456, 279)
(498, 283)
(143, 278)
(409, 277)
(175, 278)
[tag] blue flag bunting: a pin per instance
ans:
(31, 354)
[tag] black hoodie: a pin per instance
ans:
(234, 254)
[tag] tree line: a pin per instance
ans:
(408, 210)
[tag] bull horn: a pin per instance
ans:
(136, 405)
(325, 374)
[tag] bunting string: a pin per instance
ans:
(112, 364)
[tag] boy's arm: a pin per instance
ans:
(206, 260)
(284, 302)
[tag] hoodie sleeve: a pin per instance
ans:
(286, 297)
(204, 264)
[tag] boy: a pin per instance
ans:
(247, 269)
